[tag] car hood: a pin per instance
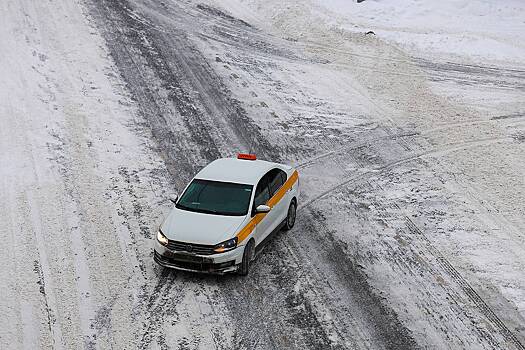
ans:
(187, 226)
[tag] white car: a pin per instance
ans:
(226, 214)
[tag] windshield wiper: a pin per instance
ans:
(183, 207)
(195, 209)
(208, 211)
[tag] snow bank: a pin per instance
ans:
(478, 29)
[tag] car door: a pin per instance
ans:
(273, 180)
(262, 195)
(279, 200)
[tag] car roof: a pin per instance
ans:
(236, 170)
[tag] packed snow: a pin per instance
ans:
(409, 144)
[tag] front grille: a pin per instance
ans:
(199, 249)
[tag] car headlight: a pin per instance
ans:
(226, 245)
(161, 238)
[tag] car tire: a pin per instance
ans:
(247, 257)
(290, 217)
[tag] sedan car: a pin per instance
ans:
(226, 214)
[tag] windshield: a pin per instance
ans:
(213, 197)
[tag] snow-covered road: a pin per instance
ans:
(411, 229)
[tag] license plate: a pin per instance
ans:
(185, 257)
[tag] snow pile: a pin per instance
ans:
(478, 29)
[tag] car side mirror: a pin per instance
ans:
(262, 209)
(174, 199)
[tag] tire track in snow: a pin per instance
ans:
(383, 328)
(398, 136)
(472, 74)
(158, 302)
(307, 322)
(461, 73)
(180, 162)
(437, 152)
(47, 286)
(452, 272)
(414, 156)
(346, 148)
(266, 148)
(467, 288)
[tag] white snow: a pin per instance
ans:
(79, 182)
(479, 29)
(444, 69)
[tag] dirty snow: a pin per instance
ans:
(409, 144)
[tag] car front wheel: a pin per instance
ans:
(247, 257)
(290, 217)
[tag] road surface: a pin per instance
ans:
(410, 230)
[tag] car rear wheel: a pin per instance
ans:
(290, 217)
(246, 259)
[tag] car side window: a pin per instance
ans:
(275, 179)
(262, 195)
(284, 177)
